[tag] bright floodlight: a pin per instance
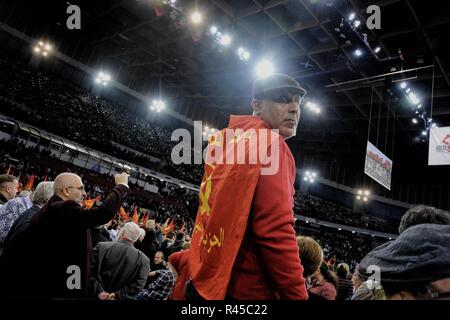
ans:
(243, 54)
(358, 197)
(357, 23)
(424, 133)
(213, 30)
(366, 192)
(196, 17)
(42, 48)
(433, 125)
(158, 105)
(365, 199)
(305, 178)
(351, 16)
(103, 78)
(358, 53)
(264, 69)
(414, 120)
(377, 49)
(225, 40)
(403, 85)
(360, 191)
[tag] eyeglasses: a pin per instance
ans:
(79, 188)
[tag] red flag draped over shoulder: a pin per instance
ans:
(226, 194)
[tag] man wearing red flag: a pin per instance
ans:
(243, 244)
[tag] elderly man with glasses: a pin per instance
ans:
(62, 240)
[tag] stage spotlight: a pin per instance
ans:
(414, 120)
(403, 85)
(377, 49)
(353, 231)
(358, 53)
(264, 69)
(360, 191)
(351, 16)
(196, 17)
(366, 193)
(41, 43)
(358, 197)
(213, 30)
(37, 49)
(305, 178)
(365, 199)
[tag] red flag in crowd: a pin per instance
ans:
(135, 215)
(88, 203)
(30, 183)
(123, 214)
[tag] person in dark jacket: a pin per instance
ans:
(16, 247)
(119, 270)
(62, 240)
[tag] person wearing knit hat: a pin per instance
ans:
(416, 265)
(119, 270)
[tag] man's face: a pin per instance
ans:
(158, 258)
(74, 190)
(10, 189)
(281, 110)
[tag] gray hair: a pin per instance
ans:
(24, 194)
(142, 235)
(130, 231)
(43, 192)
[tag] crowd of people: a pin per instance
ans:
(310, 206)
(57, 107)
(124, 242)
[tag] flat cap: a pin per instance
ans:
(420, 255)
(276, 81)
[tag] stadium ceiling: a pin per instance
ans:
(304, 38)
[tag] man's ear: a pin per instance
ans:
(257, 106)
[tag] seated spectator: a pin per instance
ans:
(345, 286)
(161, 288)
(415, 266)
(423, 214)
(119, 270)
(16, 250)
(8, 188)
(324, 283)
(158, 262)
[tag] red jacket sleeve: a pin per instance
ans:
(273, 227)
